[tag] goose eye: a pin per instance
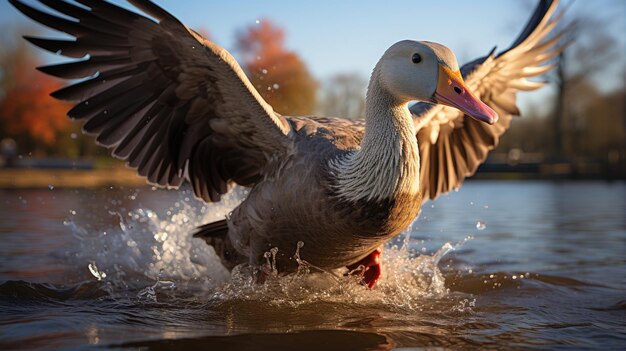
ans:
(417, 58)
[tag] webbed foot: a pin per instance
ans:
(372, 264)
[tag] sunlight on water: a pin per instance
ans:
(154, 254)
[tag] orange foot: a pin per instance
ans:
(372, 267)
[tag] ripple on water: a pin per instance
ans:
(158, 283)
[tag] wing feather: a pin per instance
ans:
(453, 145)
(160, 96)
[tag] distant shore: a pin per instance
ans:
(21, 178)
(82, 173)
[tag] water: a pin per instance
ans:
(515, 265)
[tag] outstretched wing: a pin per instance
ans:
(453, 145)
(171, 103)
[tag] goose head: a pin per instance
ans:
(420, 70)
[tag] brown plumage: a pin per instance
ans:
(176, 106)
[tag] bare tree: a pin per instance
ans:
(343, 95)
(588, 57)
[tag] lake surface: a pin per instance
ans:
(497, 265)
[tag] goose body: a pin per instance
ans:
(177, 107)
(312, 192)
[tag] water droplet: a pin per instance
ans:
(73, 136)
(160, 236)
(86, 102)
(95, 272)
(275, 86)
(105, 112)
(270, 258)
(480, 225)
(51, 187)
(257, 21)
(264, 71)
(296, 256)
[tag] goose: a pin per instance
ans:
(177, 107)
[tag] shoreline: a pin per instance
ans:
(22, 178)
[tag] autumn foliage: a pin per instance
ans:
(277, 73)
(27, 113)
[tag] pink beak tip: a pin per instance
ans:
(491, 118)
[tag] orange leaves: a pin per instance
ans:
(27, 112)
(264, 38)
(28, 109)
(278, 74)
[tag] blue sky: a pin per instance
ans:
(351, 35)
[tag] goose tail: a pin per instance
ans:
(216, 235)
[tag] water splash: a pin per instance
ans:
(408, 279)
(465, 305)
(150, 293)
(144, 244)
(270, 264)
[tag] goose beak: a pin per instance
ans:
(451, 91)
